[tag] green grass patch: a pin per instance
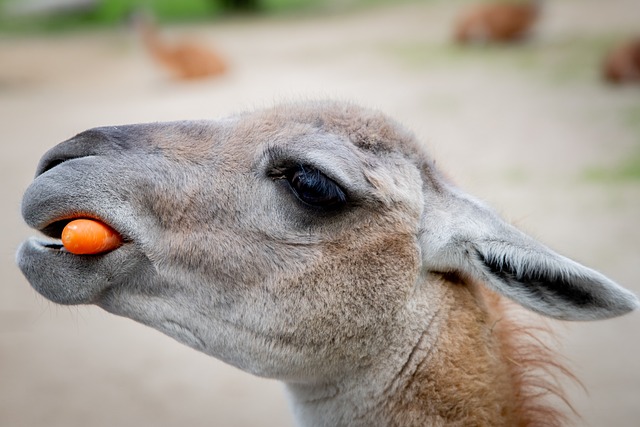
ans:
(104, 14)
(108, 13)
(628, 170)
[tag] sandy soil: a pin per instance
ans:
(520, 127)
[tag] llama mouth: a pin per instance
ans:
(54, 199)
(54, 231)
(53, 236)
(67, 278)
(49, 244)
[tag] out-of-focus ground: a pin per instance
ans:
(531, 129)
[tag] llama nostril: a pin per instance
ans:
(88, 143)
(71, 149)
(49, 164)
(93, 142)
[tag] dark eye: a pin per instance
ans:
(314, 188)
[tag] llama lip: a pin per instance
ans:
(65, 278)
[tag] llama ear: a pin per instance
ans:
(470, 239)
(545, 282)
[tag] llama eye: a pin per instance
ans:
(313, 188)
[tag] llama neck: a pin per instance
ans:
(453, 371)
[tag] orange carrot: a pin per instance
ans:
(89, 237)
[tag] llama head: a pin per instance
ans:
(287, 242)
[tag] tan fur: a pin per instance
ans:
(535, 369)
(489, 367)
(463, 382)
(497, 22)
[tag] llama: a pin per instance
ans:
(318, 244)
(185, 60)
(497, 22)
(622, 64)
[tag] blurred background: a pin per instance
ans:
(537, 127)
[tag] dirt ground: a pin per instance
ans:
(531, 129)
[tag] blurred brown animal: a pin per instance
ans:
(185, 60)
(622, 63)
(501, 22)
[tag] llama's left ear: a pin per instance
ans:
(462, 235)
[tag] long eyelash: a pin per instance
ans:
(311, 186)
(321, 183)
